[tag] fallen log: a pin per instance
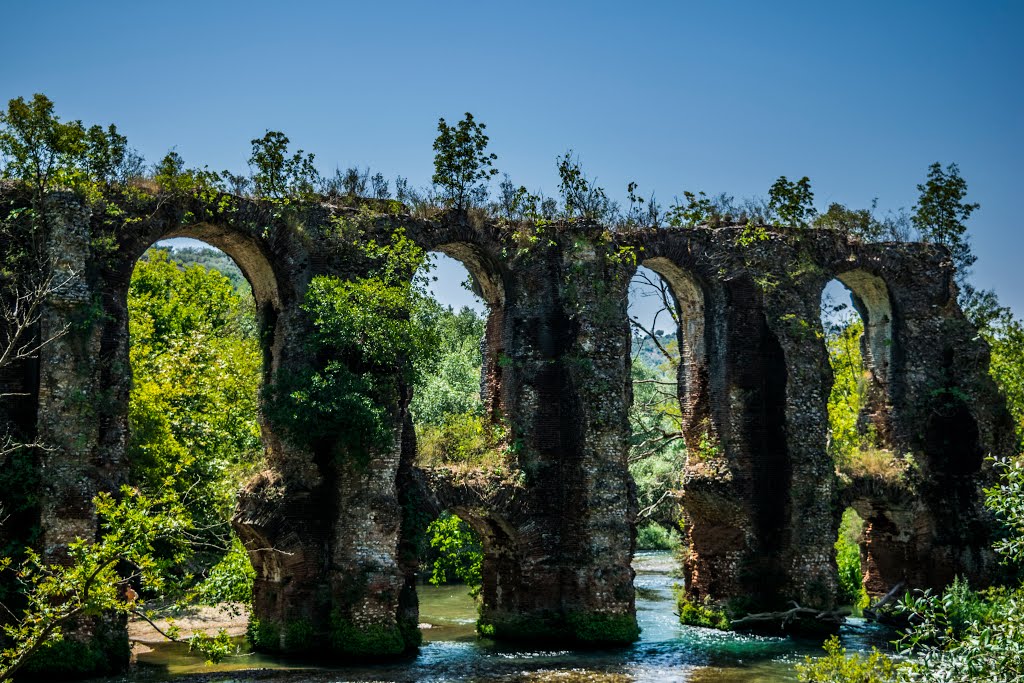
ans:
(795, 620)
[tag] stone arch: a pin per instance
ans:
(489, 284)
(501, 587)
(256, 264)
(692, 378)
(279, 555)
(870, 497)
(873, 303)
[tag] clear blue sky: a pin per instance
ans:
(719, 96)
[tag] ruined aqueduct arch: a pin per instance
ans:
(331, 540)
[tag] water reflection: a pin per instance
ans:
(666, 652)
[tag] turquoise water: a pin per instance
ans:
(667, 651)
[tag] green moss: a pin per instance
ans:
(366, 642)
(522, 627)
(593, 627)
(703, 613)
(581, 628)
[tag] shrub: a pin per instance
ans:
(838, 667)
(703, 613)
(653, 536)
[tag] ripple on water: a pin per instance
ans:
(666, 652)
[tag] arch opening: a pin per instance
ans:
(457, 417)
(456, 402)
(193, 413)
(667, 350)
(857, 321)
(856, 317)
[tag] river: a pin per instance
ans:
(666, 651)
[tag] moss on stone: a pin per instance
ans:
(701, 613)
(351, 640)
(578, 628)
(603, 628)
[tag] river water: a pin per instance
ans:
(666, 651)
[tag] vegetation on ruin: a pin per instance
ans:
(196, 363)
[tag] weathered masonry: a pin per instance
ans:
(331, 539)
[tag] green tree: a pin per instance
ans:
(941, 213)
(278, 175)
(37, 148)
(582, 198)
(791, 204)
(458, 554)
(451, 385)
(193, 406)
(849, 386)
(365, 335)
(462, 166)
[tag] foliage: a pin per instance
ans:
(459, 553)
(940, 214)
(581, 196)
(1006, 500)
(462, 439)
(450, 384)
(791, 203)
(461, 165)
(851, 579)
(230, 580)
(849, 388)
(839, 667)
(278, 175)
(46, 154)
(959, 636)
(657, 451)
(37, 147)
(364, 335)
(214, 259)
(1005, 336)
(196, 371)
(654, 536)
(700, 613)
(97, 575)
(697, 210)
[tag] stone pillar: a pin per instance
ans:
(808, 532)
(566, 383)
(82, 388)
(323, 528)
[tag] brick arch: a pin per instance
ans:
(873, 303)
(489, 283)
(692, 377)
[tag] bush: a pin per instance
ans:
(230, 580)
(838, 667)
(703, 613)
(653, 536)
(851, 580)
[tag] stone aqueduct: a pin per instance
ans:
(331, 541)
